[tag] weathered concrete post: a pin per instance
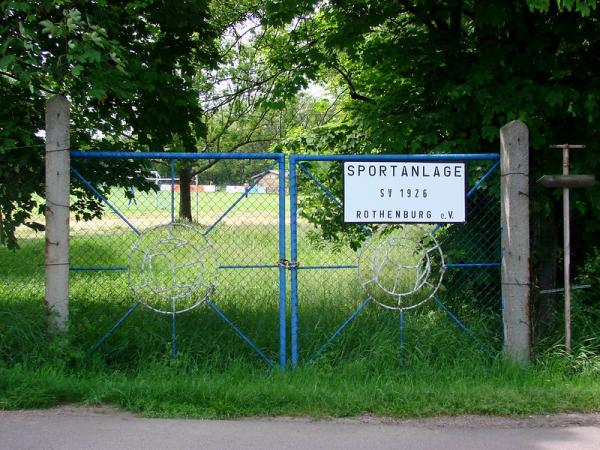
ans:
(57, 212)
(516, 278)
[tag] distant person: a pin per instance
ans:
(132, 196)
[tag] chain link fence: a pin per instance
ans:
(331, 309)
(272, 269)
(240, 219)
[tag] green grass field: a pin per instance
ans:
(439, 370)
(203, 202)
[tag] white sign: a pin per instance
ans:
(404, 192)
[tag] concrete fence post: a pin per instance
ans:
(57, 212)
(516, 278)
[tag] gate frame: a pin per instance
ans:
(279, 159)
(295, 163)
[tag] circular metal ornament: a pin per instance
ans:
(401, 268)
(172, 268)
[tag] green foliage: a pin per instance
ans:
(127, 69)
(585, 318)
(424, 77)
(21, 162)
(586, 311)
(243, 111)
(584, 7)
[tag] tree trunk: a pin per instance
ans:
(185, 198)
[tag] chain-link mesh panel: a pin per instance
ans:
(238, 220)
(329, 291)
(472, 280)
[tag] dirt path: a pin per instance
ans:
(71, 427)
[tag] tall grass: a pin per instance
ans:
(437, 369)
(186, 389)
(249, 297)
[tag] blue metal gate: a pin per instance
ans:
(249, 263)
(247, 230)
(320, 279)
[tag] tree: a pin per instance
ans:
(126, 67)
(243, 110)
(439, 76)
(232, 95)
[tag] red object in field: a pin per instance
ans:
(193, 188)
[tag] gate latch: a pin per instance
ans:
(289, 265)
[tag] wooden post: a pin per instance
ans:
(57, 212)
(516, 278)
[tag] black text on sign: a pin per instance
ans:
(404, 192)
